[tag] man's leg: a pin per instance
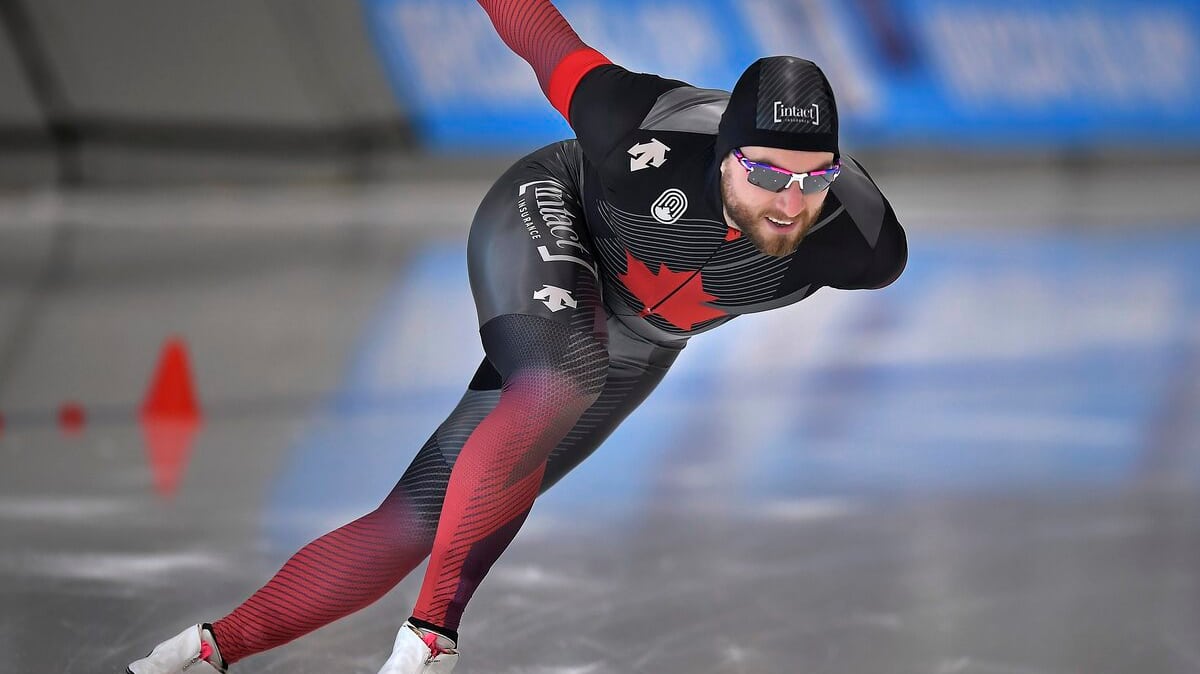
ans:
(536, 285)
(636, 366)
(550, 375)
(349, 568)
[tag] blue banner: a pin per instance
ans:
(906, 72)
(1073, 72)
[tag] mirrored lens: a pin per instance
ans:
(767, 179)
(814, 184)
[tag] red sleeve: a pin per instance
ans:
(538, 33)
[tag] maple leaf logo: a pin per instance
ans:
(676, 296)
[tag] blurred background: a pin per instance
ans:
(233, 304)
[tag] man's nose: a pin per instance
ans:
(790, 201)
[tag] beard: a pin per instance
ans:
(761, 233)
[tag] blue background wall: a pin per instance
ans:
(907, 72)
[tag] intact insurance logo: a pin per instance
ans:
(794, 114)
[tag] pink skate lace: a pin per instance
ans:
(431, 640)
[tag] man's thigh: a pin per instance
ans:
(529, 252)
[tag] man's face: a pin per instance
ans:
(776, 222)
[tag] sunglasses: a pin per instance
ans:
(776, 179)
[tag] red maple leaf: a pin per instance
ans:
(676, 296)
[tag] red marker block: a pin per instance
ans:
(72, 418)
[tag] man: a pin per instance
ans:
(592, 262)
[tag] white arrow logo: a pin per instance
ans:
(644, 155)
(555, 298)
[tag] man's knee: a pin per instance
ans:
(530, 350)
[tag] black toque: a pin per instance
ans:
(783, 102)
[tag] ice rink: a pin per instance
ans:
(990, 467)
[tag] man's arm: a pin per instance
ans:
(878, 224)
(890, 255)
(538, 33)
(601, 101)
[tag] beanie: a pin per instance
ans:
(782, 102)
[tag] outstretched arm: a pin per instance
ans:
(538, 33)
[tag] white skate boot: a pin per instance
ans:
(419, 652)
(192, 651)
